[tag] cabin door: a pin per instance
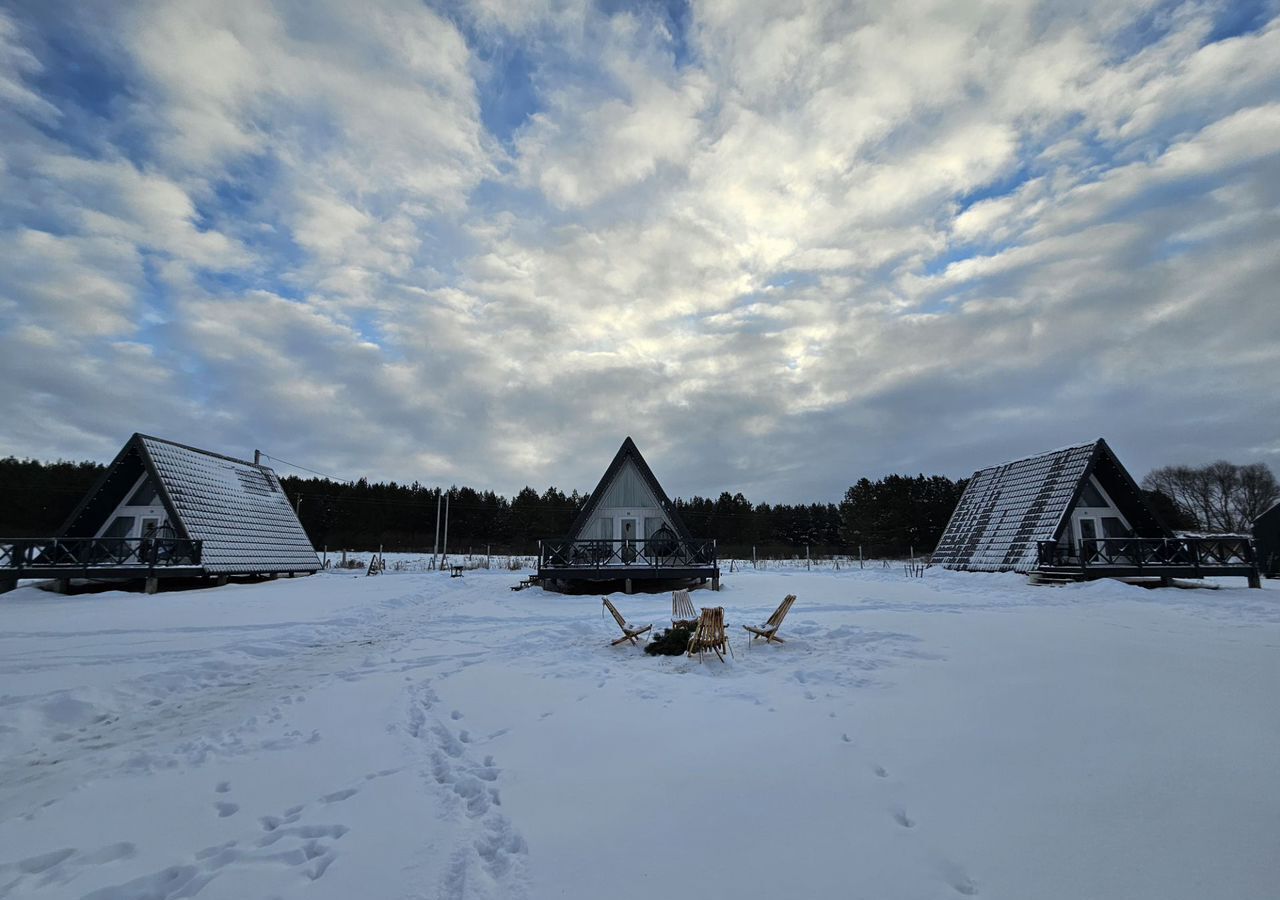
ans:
(630, 527)
(1088, 532)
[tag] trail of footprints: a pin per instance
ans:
(954, 874)
(278, 840)
(491, 853)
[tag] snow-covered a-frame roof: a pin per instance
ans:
(1006, 510)
(629, 453)
(1271, 512)
(236, 508)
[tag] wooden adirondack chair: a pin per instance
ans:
(769, 629)
(710, 634)
(682, 608)
(629, 632)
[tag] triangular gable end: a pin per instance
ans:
(627, 458)
(114, 486)
(1124, 491)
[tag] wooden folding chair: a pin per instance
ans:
(682, 609)
(710, 634)
(769, 629)
(629, 632)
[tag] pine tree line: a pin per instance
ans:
(884, 517)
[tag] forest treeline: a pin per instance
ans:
(890, 516)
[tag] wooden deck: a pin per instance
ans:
(97, 559)
(628, 561)
(1164, 558)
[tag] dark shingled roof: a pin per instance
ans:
(630, 451)
(238, 509)
(1007, 509)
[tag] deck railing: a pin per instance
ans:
(1189, 554)
(90, 553)
(602, 553)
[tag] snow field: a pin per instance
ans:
(413, 735)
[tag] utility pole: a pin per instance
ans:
(435, 547)
(446, 526)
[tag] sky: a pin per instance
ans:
(781, 245)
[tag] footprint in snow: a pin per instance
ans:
(959, 880)
(226, 809)
(881, 772)
(34, 865)
(223, 787)
(901, 817)
(455, 715)
(846, 738)
(339, 796)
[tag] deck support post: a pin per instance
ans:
(628, 586)
(1166, 581)
(62, 586)
(1255, 580)
(715, 583)
(8, 583)
(153, 584)
(220, 580)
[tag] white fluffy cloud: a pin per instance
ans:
(781, 246)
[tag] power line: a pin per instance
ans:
(312, 471)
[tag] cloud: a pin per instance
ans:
(781, 246)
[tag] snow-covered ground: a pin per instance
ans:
(415, 735)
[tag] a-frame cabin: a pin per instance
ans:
(628, 530)
(166, 510)
(1266, 538)
(1075, 514)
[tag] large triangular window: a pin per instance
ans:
(145, 494)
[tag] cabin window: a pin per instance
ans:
(145, 495)
(121, 527)
(1114, 528)
(1092, 497)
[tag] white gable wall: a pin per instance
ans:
(626, 497)
(1086, 510)
(134, 516)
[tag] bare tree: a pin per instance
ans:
(1221, 497)
(1223, 485)
(1259, 490)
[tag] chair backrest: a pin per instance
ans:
(780, 613)
(622, 623)
(682, 606)
(711, 626)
